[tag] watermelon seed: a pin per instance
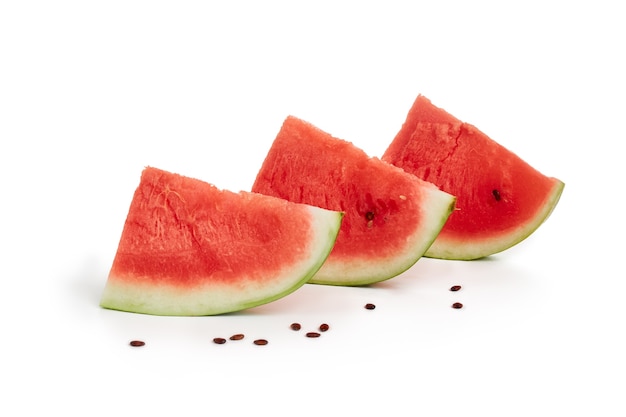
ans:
(496, 194)
(457, 305)
(370, 306)
(369, 216)
(137, 343)
(324, 327)
(402, 197)
(295, 326)
(219, 340)
(238, 336)
(455, 288)
(312, 334)
(260, 342)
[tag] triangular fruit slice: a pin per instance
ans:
(501, 199)
(189, 248)
(391, 217)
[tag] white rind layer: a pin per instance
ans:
(214, 298)
(436, 208)
(472, 248)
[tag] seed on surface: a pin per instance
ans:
(457, 305)
(219, 340)
(260, 342)
(237, 336)
(324, 327)
(295, 326)
(369, 215)
(402, 197)
(455, 288)
(137, 343)
(370, 306)
(496, 194)
(312, 334)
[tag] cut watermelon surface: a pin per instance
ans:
(501, 199)
(391, 217)
(189, 248)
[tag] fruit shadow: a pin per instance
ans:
(434, 274)
(86, 284)
(426, 277)
(315, 299)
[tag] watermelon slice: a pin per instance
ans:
(188, 248)
(391, 217)
(501, 199)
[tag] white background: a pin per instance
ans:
(91, 92)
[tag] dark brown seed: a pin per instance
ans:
(455, 288)
(295, 326)
(260, 342)
(137, 343)
(219, 340)
(237, 336)
(370, 306)
(369, 215)
(312, 334)
(457, 305)
(496, 194)
(324, 327)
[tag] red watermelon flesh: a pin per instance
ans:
(501, 199)
(391, 217)
(189, 248)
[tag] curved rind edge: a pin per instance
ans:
(129, 298)
(361, 272)
(475, 249)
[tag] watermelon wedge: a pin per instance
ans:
(391, 217)
(189, 248)
(501, 199)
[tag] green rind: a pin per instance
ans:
(361, 271)
(341, 176)
(214, 300)
(475, 249)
